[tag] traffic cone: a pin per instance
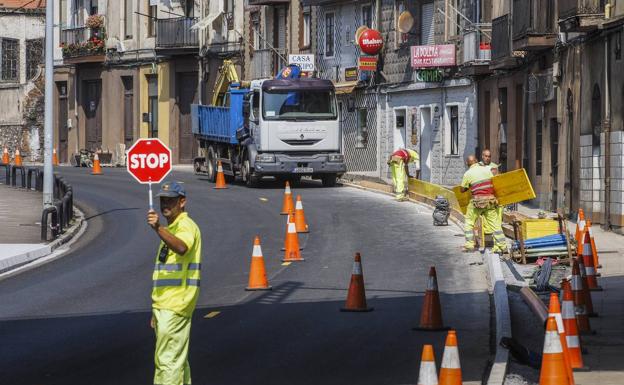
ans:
(300, 222)
(220, 183)
(580, 227)
(580, 305)
(257, 272)
(18, 158)
(570, 325)
(450, 372)
(553, 370)
(288, 204)
(554, 310)
(97, 169)
(292, 252)
(6, 159)
(55, 161)
(588, 262)
(588, 298)
(356, 297)
(431, 314)
(597, 264)
(427, 374)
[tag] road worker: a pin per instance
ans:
(398, 162)
(175, 289)
(478, 179)
(486, 161)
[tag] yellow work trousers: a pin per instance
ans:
(398, 179)
(172, 343)
(491, 224)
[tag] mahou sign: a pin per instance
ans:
(149, 160)
(370, 42)
(424, 56)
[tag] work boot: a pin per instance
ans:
(402, 198)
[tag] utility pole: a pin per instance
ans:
(48, 128)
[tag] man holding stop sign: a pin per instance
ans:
(177, 269)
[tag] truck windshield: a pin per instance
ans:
(299, 105)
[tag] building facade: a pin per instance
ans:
(22, 31)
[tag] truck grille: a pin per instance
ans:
(305, 142)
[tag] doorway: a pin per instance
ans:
(63, 129)
(128, 131)
(186, 95)
(425, 143)
(92, 106)
(152, 106)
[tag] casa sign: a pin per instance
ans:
(370, 42)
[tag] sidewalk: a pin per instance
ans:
(606, 347)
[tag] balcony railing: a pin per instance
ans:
(266, 62)
(569, 8)
(501, 38)
(176, 33)
(74, 35)
(532, 17)
(477, 47)
(82, 44)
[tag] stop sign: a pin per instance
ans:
(149, 160)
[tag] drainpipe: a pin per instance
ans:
(378, 14)
(607, 132)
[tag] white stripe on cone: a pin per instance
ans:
(298, 205)
(552, 343)
(427, 374)
(357, 268)
(567, 310)
(450, 358)
(257, 251)
(573, 341)
(291, 228)
(287, 190)
(577, 285)
(432, 284)
(587, 248)
(559, 321)
(96, 157)
(220, 168)
(590, 271)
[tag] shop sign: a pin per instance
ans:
(304, 61)
(351, 74)
(424, 56)
(367, 63)
(370, 42)
(429, 76)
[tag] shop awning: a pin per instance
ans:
(345, 87)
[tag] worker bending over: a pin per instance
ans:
(478, 179)
(398, 163)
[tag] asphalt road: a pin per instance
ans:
(84, 319)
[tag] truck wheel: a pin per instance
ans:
(249, 177)
(211, 165)
(329, 180)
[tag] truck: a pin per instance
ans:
(286, 127)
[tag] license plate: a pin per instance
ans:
(303, 170)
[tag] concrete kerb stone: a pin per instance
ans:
(50, 252)
(496, 283)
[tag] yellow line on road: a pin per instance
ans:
(212, 314)
(286, 263)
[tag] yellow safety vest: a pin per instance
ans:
(479, 180)
(176, 280)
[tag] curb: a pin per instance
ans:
(498, 290)
(49, 252)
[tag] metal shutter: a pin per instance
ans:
(427, 24)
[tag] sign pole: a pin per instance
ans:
(151, 199)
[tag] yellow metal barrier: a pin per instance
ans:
(431, 191)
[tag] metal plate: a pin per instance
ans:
(303, 170)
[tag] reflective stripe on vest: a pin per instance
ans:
(192, 282)
(482, 187)
(167, 282)
(194, 266)
(168, 267)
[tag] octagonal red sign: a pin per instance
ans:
(149, 160)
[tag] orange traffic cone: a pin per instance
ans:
(6, 159)
(220, 184)
(18, 158)
(570, 325)
(553, 371)
(588, 262)
(580, 227)
(554, 310)
(588, 298)
(356, 297)
(257, 272)
(431, 314)
(292, 252)
(597, 264)
(427, 374)
(450, 372)
(300, 222)
(580, 305)
(55, 161)
(97, 169)
(288, 204)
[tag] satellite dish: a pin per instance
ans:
(358, 32)
(406, 22)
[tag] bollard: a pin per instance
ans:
(7, 173)
(14, 176)
(32, 171)
(66, 213)
(39, 183)
(59, 209)
(44, 222)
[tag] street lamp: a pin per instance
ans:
(48, 198)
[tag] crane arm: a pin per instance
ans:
(227, 75)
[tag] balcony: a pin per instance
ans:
(502, 54)
(82, 45)
(266, 62)
(477, 49)
(533, 25)
(580, 15)
(176, 33)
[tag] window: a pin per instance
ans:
(128, 17)
(34, 57)
(367, 15)
(427, 25)
(63, 13)
(596, 116)
(299, 105)
(455, 21)
(453, 137)
(400, 38)
(151, 20)
(329, 34)
(538, 148)
(10, 60)
(255, 104)
(307, 29)
(362, 128)
(255, 30)
(78, 13)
